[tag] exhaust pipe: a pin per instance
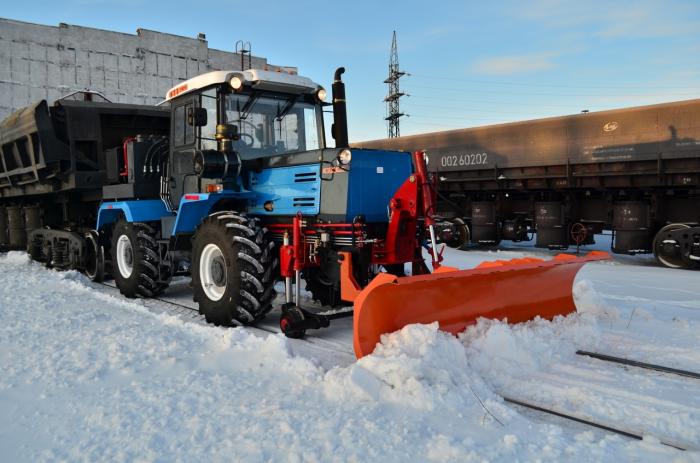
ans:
(340, 115)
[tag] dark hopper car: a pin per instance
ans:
(634, 171)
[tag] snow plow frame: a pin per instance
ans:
(517, 290)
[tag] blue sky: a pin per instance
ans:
(471, 63)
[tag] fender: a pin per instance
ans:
(194, 207)
(145, 210)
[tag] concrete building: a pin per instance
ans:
(46, 62)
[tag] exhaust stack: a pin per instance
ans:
(340, 115)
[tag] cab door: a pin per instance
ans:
(183, 142)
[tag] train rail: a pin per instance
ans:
(614, 428)
(638, 364)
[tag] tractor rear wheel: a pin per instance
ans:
(233, 269)
(138, 270)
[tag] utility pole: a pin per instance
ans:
(392, 99)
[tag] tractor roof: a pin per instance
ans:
(279, 81)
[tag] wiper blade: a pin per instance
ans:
(287, 107)
(248, 105)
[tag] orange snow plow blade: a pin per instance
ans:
(518, 289)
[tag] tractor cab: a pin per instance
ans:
(257, 137)
(225, 123)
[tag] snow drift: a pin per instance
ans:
(88, 376)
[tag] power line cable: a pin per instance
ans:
(547, 85)
(462, 108)
(593, 95)
(552, 105)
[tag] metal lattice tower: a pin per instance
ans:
(392, 99)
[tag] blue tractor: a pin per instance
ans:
(231, 183)
(244, 191)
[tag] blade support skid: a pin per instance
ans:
(518, 290)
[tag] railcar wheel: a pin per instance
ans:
(35, 249)
(138, 269)
(233, 269)
(94, 257)
(459, 234)
(668, 251)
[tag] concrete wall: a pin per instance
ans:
(45, 62)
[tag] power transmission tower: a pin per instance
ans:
(392, 99)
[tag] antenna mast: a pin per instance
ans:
(243, 49)
(392, 100)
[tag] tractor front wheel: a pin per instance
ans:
(233, 269)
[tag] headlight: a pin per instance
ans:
(236, 83)
(321, 94)
(344, 157)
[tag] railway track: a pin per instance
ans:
(613, 427)
(343, 351)
(315, 347)
(638, 364)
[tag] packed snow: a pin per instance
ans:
(87, 375)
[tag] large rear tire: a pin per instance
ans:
(233, 269)
(138, 270)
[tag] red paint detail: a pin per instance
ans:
(177, 90)
(428, 192)
(287, 261)
(109, 206)
(192, 197)
(298, 242)
(400, 243)
(125, 171)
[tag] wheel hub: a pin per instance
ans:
(218, 271)
(125, 256)
(212, 272)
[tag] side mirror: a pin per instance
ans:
(197, 117)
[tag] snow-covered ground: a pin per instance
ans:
(86, 375)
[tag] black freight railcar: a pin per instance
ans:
(55, 161)
(635, 171)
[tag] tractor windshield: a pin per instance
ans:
(271, 125)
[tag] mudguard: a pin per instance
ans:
(517, 290)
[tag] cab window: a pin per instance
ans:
(183, 132)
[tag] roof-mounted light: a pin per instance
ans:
(321, 94)
(236, 83)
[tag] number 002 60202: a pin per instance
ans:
(460, 160)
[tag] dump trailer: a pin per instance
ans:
(232, 184)
(634, 172)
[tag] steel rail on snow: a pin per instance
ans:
(632, 434)
(635, 363)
